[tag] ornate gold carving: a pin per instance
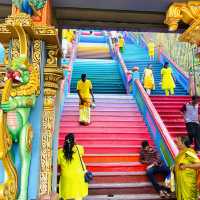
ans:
(5, 34)
(21, 19)
(188, 12)
(29, 138)
(46, 145)
(8, 190)
(192, 34)
(52, 55)
(33, 86)
(40, 32)
(15, 48)
(52, 76)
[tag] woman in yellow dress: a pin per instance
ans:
(186, 173)
(167, 79)
(151, 49)
(72, 183)
(121, 44)
(84, 89)
(148, 79)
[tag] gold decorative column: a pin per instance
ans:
(52, 77)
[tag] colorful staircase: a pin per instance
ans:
(134, 55)
(103, 73)
(167, 107)
(112, 145)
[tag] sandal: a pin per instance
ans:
(167, 195)
(162, 194)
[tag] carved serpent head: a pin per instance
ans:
(19, 70)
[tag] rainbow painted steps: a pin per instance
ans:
(112, 145)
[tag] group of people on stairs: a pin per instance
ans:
(167, 79)
(186, 169)
(185, 172)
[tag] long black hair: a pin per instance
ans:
(68, 146)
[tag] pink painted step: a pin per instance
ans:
(95, 124)
(113, 136)
(104, 130)
(108, 109)
(105, 105)
(105, 113)
(74, 118)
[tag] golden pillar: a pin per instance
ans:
(52, 76)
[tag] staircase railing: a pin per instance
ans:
(162, 57)
(125, 73)
(111, 47)
(157, 128)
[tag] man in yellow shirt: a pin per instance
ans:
(84, 89)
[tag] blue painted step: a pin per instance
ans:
(92, 39)
(104, 74)
(179, 90)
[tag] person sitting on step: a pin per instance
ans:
(155, 165)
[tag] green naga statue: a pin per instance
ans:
(29, 6)
(22, 99)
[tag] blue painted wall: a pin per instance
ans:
(36, 119)
(1, 54)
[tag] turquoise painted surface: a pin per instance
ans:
(1, 54)
(35, 119)
(152, 127)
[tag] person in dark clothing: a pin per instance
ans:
(191, 113)
(155, 165)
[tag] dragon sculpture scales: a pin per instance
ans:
(187, 12)
(18, 97)
(29, 6)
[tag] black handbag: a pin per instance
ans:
(88, 175)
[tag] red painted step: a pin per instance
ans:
(112, 144)
(107, 158)
(169, 110)
(107, 141)
(122, 177)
